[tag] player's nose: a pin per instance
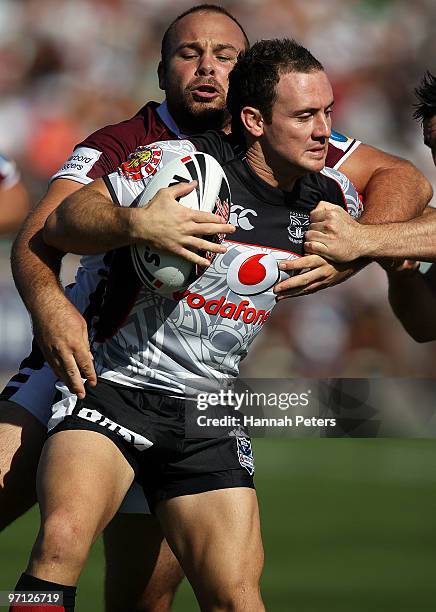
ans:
(322, 126)
(206, 65)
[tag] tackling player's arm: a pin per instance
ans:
(58, 326)
(71, 228)
(334, 235)
(163, 223)
(393, 190)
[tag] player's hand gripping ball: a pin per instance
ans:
(165, 272)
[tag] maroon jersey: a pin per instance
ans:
(107, 148)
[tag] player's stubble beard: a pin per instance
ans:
(194, 117)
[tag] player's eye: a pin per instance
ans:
(189, 55)
(225, 58)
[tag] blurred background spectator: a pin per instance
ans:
(67, 68)
(14, 199)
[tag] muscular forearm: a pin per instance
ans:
(59, 328)
(88, 222)
(393, 188)
(396, 194)
(36, 266)
(415, 239)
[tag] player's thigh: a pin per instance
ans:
(82, 474)
(142, 572)
(25, 408)
(22, 437)
(216, 536)
(82, 478)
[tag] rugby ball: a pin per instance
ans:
(165, 272)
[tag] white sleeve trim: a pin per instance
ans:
(71, 177)
(78, 165)
(347, 155)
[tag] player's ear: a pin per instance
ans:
(252, 120)
(161, 75)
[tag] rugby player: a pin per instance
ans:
(14, 200)
(213, 39)
(132, 423)
(412, 295)
(192, 54)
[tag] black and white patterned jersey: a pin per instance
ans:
(109, 147)
(145, 340)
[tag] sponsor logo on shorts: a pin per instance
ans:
(142, 163)
(139, 442)
(298, 225)
(245, 454)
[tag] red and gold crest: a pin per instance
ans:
(142, 163)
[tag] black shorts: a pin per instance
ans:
(149, 429)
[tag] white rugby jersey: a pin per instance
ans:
(142, 339)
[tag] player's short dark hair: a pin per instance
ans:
(425, 93)
(254, 79)
(198, 8)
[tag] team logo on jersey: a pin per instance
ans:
(298, 225)
(252, 274)
(240, 217)
(142, 163)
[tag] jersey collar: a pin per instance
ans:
(164, 114)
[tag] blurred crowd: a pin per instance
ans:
(68, 67)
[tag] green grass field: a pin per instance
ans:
(348, 526)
